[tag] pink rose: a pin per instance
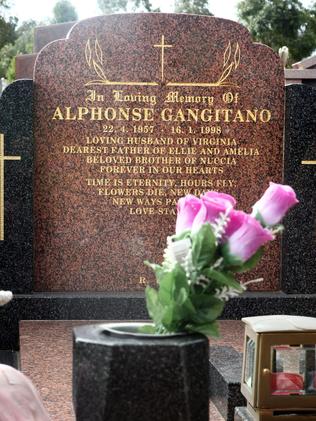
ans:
(194, 212)
(187, 207)
(274, 204)
(213, 203)
(236, 219)
(247, 239)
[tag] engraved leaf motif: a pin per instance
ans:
(99, 71)
(88, 53)
(227, 54)
(226, 73)
(237, 56)
(98, 51)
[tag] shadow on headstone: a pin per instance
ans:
(16, 189)
(299, 237)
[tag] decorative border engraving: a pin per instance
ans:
(308, 162)
(94, 59)
(2, 159)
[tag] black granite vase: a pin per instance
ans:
(122, 375)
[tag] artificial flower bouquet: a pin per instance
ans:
(213, 242)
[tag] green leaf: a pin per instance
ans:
(237, 265)
(156, 268)
(168, 317)
(222, 278)
(170, 284)
(183, 300)
(172, 317)
(208, 315)
(208, 329)
(260, 219)
(165, 288)
(207, 308)
(203, 247)
(179, 311)
(153, 306)
(180, 280)
(181, 236)
(203, 300)
(170, 306)
(181, 296)
(151, 330)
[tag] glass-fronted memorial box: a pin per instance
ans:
(279, 368)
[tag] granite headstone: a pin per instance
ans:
(132, 112)
(225, 374)
(43, 35)
(16, 187)
(299, 238)
(24, 63)
(24, 66)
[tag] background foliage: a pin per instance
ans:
(64, 11)
(19, 39)
(281, 22)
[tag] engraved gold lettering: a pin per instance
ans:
(205, 115)
(216, 115)
(96, 113)
(68, 114)
(251, 115)
(265, 116)
(100, 113)
(142, 280)
(175, 97)
(239, 116)
(119, 96)
(58, 115)
(81, 112)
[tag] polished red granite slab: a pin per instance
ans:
(46, 357)
(132, 112)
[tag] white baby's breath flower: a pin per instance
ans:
(188, 265)
(5, 297)
(253, 281)
(168, 254)
(226, 293)
(218, 263)
(203, 281)
(220, 224)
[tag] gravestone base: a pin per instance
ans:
(225, 380)
(9, 357)
(131, 306)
